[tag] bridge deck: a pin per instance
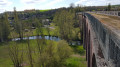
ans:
(112, 22)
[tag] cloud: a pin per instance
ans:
(80, 2)
(43, 4)
(32, 1)
(55, 1)
(113, 2)
(51, 3)
(25, 7)
(2, 10)
(5, 3)
(97, 2)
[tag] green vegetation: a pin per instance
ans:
(18, 26)
(53, 30)
(58, 52)
(44, 10)
(4, 28)
(78, 58)
(109, 7)
(76, 61)
(52, 52)
(116, 5)
(41, 52)
(78, 49)
(66, 22)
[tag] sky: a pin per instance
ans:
(7, 5)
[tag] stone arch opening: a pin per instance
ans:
(94, 61)
(89, 50)
(86, 41)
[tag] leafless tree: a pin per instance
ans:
(16, 55)
(29, 52)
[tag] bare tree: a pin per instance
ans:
(29, 52)
(16, 55)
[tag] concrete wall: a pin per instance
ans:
(109, 41)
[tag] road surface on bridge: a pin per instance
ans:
(111, 22)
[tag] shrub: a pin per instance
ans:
(80, 50)
(55, 54)
(64, 50)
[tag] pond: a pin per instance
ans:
(54, 38)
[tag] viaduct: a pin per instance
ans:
(101, 38)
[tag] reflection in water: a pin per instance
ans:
(48, 38)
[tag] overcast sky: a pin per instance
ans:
(7, 5)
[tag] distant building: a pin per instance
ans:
(46, 21)
(29, 10)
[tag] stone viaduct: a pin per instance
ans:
(101, 43)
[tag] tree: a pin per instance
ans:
(109, 7)
(65, 20)
(1, 29)
(63, 50)
(16, 55)
(55, 54)
(29, 53)
(39, 31)
(48, 29)
(4, 28)
(18, 25)
(79, 8)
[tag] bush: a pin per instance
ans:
(55, 54)
(64, 50)
(81, 50)
(75, 62)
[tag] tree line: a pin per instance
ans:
(66, 20)
(4, 28)
(47, 54)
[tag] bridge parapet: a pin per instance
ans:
(112, 13)
(108, 40)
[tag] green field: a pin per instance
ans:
(45, 10)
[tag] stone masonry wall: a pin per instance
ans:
(108, 40)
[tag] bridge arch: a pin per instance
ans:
(94, 61)
(86, 41)
(89, 49)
